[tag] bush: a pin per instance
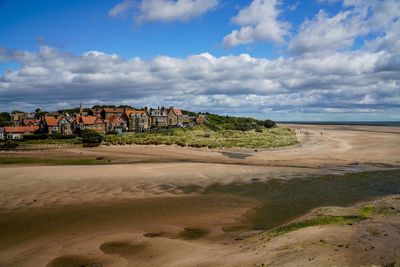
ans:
(36, 136)
(62, 136)
(9, 145)
(258, 130)
(268, 124)
(91, 138)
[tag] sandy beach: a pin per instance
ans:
(135, 211)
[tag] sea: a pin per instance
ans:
(366, 123)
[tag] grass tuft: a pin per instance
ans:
(321, 220)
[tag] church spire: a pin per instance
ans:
(80, 108)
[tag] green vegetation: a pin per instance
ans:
(371, 209)
(75, 141)
(238, 123)
(5, 119)
(8, 145)
(367, 210)
(192, 233)
(91, 138)
(206, 136)
(320, 220)
(283, 200)
(43, 136)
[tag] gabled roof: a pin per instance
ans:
(134, 111)
(90, 120)
(114, 118)
(20, 129)
(30, 121)
(177, 112)
(51, 121)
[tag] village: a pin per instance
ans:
(103, 120)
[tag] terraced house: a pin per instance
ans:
(90, 122)
(175, 117)
(103, 120)
(158, 117)
(138, 120)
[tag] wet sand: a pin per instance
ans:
(134, 211)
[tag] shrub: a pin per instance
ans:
(36, 136)
(91, 138)
(268, 123)
(62, 136)
(9, 145)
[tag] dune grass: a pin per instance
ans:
(203, 136)
(320, 220)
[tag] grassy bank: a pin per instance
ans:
(282, 201)
(203, 136)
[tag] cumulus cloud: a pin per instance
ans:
(165, 10)
(326, 33)
(258, 22)
(361, 80)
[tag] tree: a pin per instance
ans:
(91, 138)
(5, 119)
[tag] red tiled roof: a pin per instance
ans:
(90, 120)
(51, 121)
(114, 118)
(134, 111)
(177, 112)
(20, 129)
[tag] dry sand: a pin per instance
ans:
(54, 215)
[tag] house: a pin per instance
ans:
(96, 111)
(17, 117)
(49, 125)
(90, 122)
(116, 123)
(138, 120)
(158, 117)
(65, 125)
(201, 119)
(106, 112)
(30, 122)
(17, 132)
(175, 116)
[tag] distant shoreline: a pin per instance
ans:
(358, 123)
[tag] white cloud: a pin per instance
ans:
(232, 84)
(358, 18)
(258, 22)
(121, 8)
(165, 10)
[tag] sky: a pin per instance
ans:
(315, 60)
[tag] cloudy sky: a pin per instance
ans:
(285, 60)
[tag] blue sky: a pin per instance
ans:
(287, 60)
